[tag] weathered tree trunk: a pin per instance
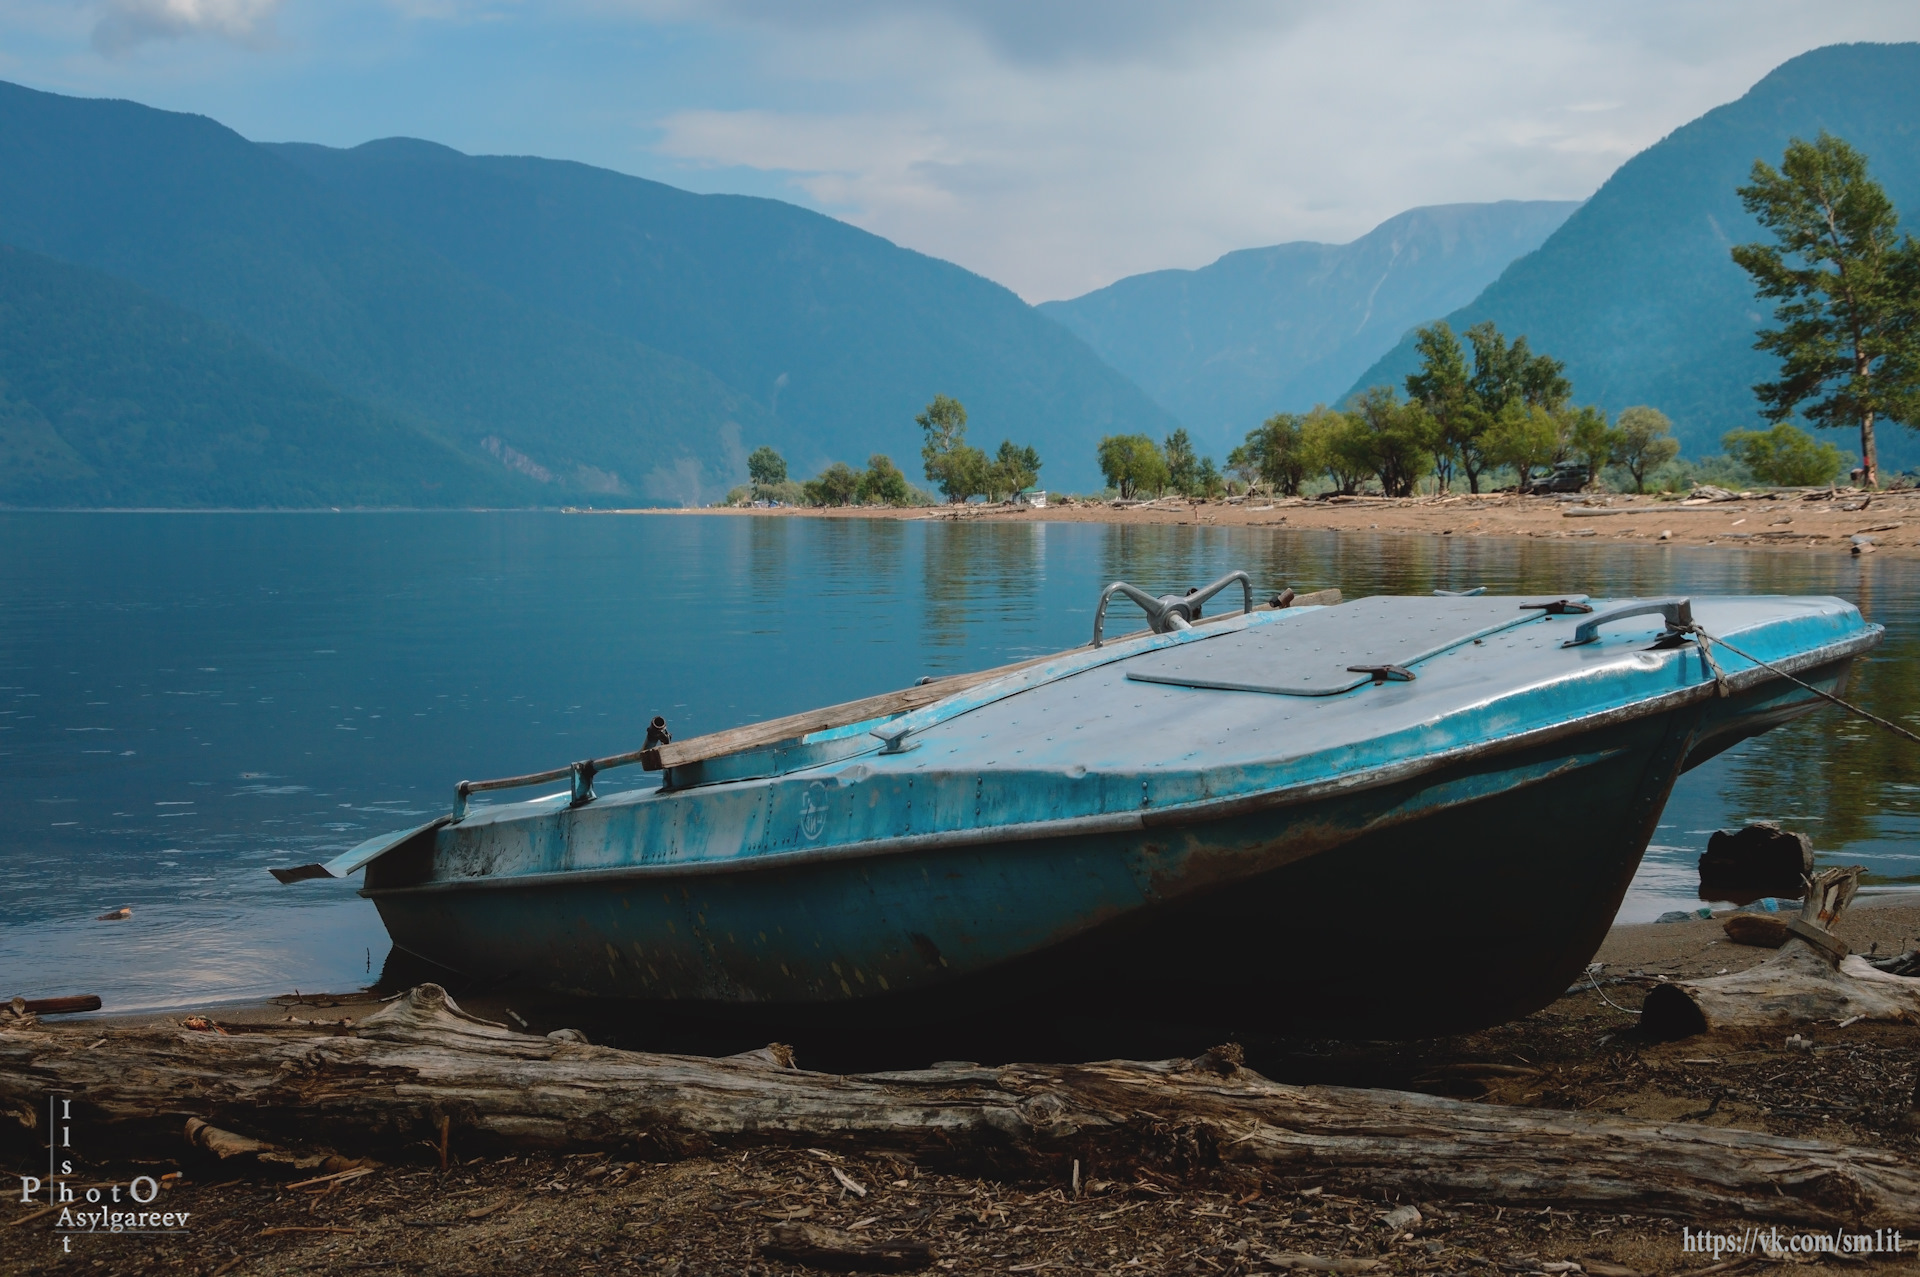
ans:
(1812, 977)
(422, 1072)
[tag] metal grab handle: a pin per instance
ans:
(581, 773)
(1170, 612)
(1677, 611)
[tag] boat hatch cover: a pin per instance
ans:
(1331, 650)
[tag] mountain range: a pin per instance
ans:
(111, 396)
(1637, 293)
(497, 329)
(189, 318)
(1266, 329)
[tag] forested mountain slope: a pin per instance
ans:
(1270, 329)
(1637, 291)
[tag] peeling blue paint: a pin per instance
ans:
(1066, 799)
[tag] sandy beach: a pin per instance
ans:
(1821, 522)
(690, 1211)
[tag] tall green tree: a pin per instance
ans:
(1132, 464)
(1526, 437)
(1207, 479)
(838, 484)
(1444, 387)
(944, 422)
(1014, 469)
(1504, 374)
(883, 484)
(1399, 437)
(1242, 462)
(1276, 454)
(959, 469)
(1643, 442)
(1847, 288)
(1441, 388)
(1590, 439)
(1241, 467)
(966, 472)
(1183, 465)
(765, 467)
(1341, 446)
(1465, 401)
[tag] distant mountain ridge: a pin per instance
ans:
(120, 399)
(190, 318)
(1637, 292)
(509, 309)
(1269, 329)
(838, 332)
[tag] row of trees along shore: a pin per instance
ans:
(1846, 286)
(1845, 283)
(955, 467)
(881, 483)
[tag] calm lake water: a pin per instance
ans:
(187, 699)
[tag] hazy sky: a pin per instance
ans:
(1053, 145)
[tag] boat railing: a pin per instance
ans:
(1169, 612)
(580, 773)
(1163, 615)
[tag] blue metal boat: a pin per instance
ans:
(1185, 820)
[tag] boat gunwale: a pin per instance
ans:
(1200, 811)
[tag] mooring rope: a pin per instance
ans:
(1707, 643)
(1721, 680)
(1593, 979)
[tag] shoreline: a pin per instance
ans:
(1821, 522)
(1847, 522)
(669, 1206)
(1885, 918)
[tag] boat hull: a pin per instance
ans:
(1321, 912)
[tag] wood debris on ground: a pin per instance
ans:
(643, 1211)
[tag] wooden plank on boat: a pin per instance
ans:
(697, 749)
(755, 735)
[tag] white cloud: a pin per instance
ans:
(1027, 32)
(1057, 147)
(1053, 145)
(124, 24)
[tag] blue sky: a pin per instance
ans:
(1053, 145)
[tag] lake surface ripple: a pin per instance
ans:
(187, 699)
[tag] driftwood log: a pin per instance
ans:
(420, 1072)
(1812, 977)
